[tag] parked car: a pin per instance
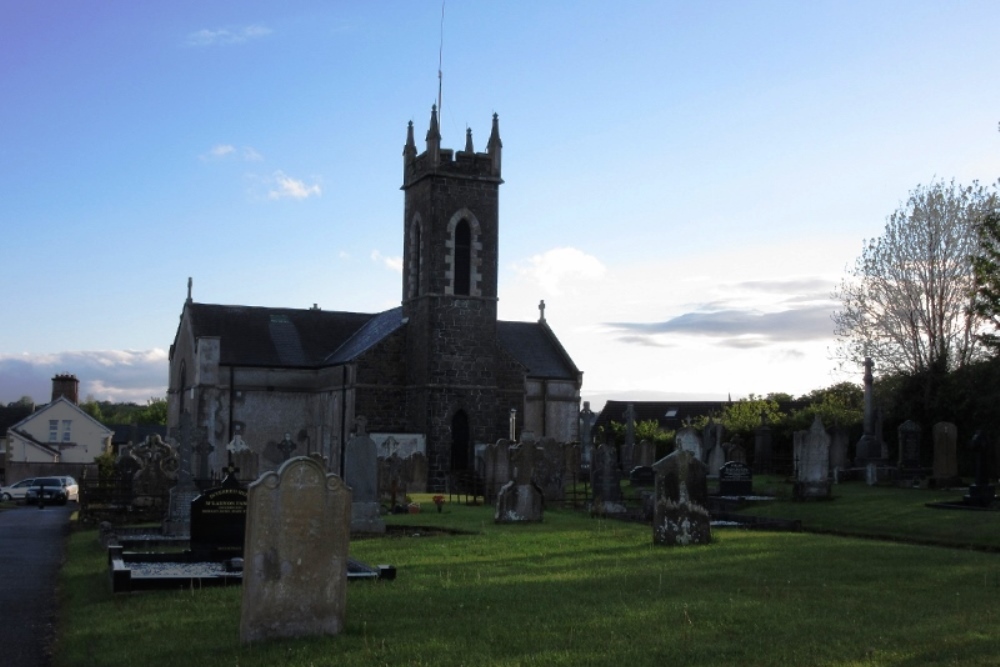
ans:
(51, 490)
(16, 491)
(72, 489)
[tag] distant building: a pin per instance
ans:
(440, 366)
(58, 438)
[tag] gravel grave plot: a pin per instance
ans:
(186, 570)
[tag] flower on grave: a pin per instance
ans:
(438, 500)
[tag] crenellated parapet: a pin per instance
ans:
(465, 163)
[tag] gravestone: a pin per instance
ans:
(645, 455)
(642, 476)
(716, 459)
(735, 479)
(981, 493)
(520, 500)
(361, 474)
(839, 441)
(295, 553)
(711, 437)
(945, 454)
(909, 444)
(735, 451)
(587, 420)
(497, 467)
(688, 439)
(798, 442)
(679, 515)
(607, 480)
(218, 520)
(178, 518)
(813, 479)
(549, 468)
(629, 425)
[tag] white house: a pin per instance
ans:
(57, 439)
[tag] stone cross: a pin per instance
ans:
(869, 423)
(541, 310)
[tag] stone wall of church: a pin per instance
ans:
(380, 385)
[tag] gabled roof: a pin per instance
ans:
(276, 337)
(296, 338)
(40, 414)
(537, 348)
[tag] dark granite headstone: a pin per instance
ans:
(642, 476)
(218, 521)
(735, 479)
(909, 444)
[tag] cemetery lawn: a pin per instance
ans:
(580, 591)
(883, 512)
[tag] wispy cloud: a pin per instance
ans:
(558, 268)
(228, 151)
(114, 375)
(394, 263)
(222, 36)
(741, 328)
(283, 186)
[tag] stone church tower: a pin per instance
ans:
(461, 384)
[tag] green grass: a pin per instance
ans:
(580, 591)
(886, 513)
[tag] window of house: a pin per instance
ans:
(53, 430)
(67, 424)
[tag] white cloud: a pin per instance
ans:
(394, 263)
(114, 375)
(555, 269)
(225, 151)
(206, 37)
(283, 186)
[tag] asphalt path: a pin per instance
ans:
(32, 545)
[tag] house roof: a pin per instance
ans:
(296, 338)
(40, 413)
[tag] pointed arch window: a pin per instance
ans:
(463, 258)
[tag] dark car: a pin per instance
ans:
(51, 490)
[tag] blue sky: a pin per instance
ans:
(685, 181)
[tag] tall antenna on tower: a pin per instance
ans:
(440, 58)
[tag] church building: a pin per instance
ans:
(441, 366)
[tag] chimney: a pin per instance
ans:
(66, 385)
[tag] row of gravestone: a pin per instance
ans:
(680, 515)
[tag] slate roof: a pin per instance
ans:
(536, 347)
(297, 338)
(278, 337)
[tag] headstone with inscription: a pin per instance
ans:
(735, 479)
(295, 553)
(218, 520)
(679, 515)
(606, 475)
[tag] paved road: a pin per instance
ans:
(32, 543)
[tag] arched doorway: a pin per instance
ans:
(460, 442)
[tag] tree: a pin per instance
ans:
(744, 415)
(906, 302)
(986, 274)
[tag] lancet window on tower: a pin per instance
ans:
(464, 248)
